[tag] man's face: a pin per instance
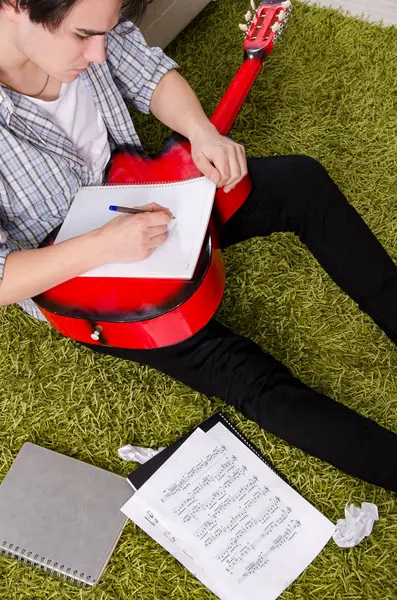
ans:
(70, 49)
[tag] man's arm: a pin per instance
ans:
(147, 78)
(174, 103)
(30, 272)
(125, 239)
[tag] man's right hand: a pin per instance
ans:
(130, 238)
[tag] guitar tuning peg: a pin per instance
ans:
(275, 27)
(248, 16)
(282, 15)
(286, 4)
(253, 5)
(243, 27)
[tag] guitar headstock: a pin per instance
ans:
(265, 27)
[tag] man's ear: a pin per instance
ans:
(11, 11)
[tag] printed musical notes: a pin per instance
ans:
(229, 518)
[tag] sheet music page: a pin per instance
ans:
(239, 522)
(150, 523)
(189, 201)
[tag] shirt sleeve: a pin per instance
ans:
(7, 245)
(135, 68)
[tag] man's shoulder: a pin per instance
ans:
(124, 36)
(129, 56)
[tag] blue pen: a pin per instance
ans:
(137, 211)
(126, 209)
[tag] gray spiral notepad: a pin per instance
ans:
(61, 514)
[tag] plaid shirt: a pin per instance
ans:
(40, 169)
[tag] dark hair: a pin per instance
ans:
(51, 13)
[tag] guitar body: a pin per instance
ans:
(152, 313)
(145, 313)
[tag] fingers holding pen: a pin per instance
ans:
(146, 209)
(133, 237)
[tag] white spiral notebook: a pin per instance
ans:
(61, 514)
(189, 201)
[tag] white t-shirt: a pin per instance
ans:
(77, 115)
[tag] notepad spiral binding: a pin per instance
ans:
(47, 565)
(149, 184)
(241, 437)
(251, 446)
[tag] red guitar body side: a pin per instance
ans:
(146, 313)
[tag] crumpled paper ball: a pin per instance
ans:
(357, 525)
(137, 453)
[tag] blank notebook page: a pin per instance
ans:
(189, 201)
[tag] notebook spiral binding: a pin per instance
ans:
(28, 557)
(150, 184)
(251, 446)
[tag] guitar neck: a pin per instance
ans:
(229, 107)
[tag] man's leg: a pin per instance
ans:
(216, 362)
(295, 193)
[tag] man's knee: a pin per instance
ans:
(313, 188)
(309, 172)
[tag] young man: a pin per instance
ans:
(65, 68)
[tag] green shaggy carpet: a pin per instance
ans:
(328, 90)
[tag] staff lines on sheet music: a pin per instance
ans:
(183, 482)
(242, 515)
(206, 479)
(251, 523)
(263, 558)
(219, 497)
(235, 552)
(215, 468)
(228, 555)
(232, 555)
(206, 473)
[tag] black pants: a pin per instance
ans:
(295, 193)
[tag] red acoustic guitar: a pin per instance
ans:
(151, 313)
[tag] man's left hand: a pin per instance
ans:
(219, 158)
